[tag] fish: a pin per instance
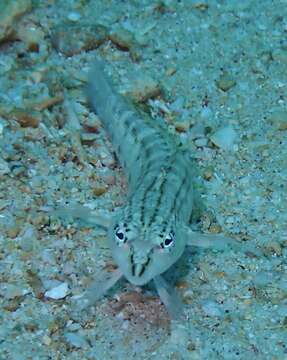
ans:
(149, 233)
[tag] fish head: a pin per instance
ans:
(145, 251)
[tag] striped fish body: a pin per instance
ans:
(148, 234)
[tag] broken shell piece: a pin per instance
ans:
(10, 12)
(71, 39)
(142, 89)
(27, 118)
(123, 38)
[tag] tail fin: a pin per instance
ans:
(100, 91)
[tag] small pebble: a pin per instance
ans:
(224, 138)
(197, 131)
(280, 55)
(88, 138)
(10, 12)
(4, 167)
(58, 292)
(182, 126)
(46, 340)
(28, 240)
(200, 142)
(99, 190)
(208, 173)
(76, 340)
(74, 327)
(2, 125)
(211, 309)
(279, 120)
(225, 82)
(13, 291)
(74, 16)
(32, 36)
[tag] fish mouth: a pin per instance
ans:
(137, 281)
(138, 269)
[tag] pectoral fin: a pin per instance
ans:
(213, 241)
(98, 289)
(169, 297)
(80, 213)
(219, 242)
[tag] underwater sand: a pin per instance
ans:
(215, 72)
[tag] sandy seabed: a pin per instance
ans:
(215, 73)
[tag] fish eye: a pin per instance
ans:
(168, 241)
(120, 237)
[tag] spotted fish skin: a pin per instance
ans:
(139, 144)
(147, 234)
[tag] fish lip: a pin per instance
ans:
(138, 269)
(136, 280)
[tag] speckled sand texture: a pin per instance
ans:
(215, 73)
